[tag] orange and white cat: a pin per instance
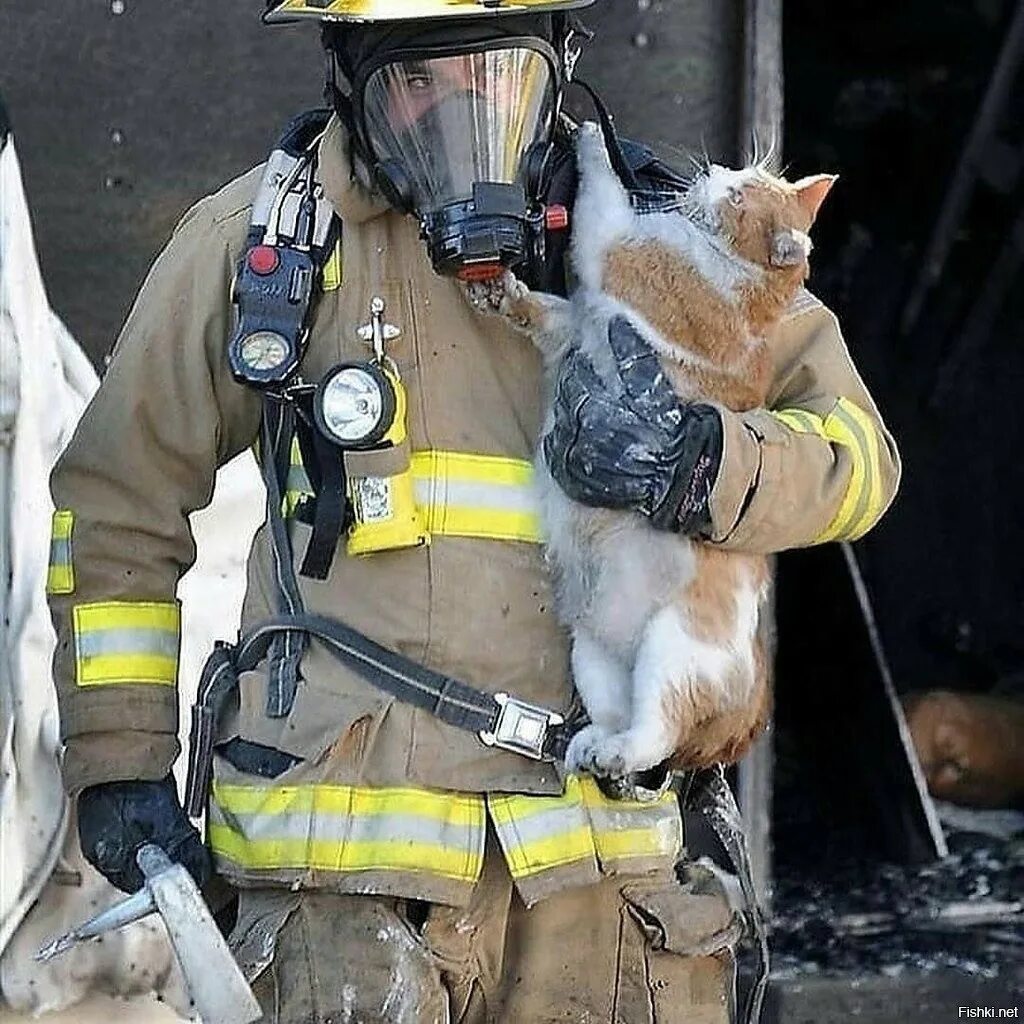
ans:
(669, 653)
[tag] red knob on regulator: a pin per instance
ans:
(263, 259)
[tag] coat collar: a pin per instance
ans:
(353, 202)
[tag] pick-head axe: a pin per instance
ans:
(218, 988)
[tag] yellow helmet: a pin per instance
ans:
(409, 10)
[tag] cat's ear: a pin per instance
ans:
(811, 191)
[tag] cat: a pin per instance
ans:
(669, 634)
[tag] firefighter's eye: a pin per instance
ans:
(420, 81)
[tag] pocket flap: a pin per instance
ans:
(681, 921)
(324, 723)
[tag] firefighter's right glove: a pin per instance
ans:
(116, 818)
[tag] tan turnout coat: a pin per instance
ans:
(820, 465)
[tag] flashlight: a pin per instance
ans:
(355, 404)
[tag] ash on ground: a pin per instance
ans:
(965, 913)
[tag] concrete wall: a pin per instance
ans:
(127, 111)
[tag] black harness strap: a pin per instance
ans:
(616, 153)
(286, 652)
(331, 507)
(447, 699)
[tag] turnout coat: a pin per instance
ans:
(386, 798)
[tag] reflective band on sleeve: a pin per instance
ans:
(850, 427)
(122, 642)
(458, 495)
(485, 496)
(802, 421)
(60, 578)
(345, 828)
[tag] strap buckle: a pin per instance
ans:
(521, 728)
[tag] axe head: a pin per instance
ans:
(216, 984)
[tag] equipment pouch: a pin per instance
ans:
(383, 499)
(677, 960)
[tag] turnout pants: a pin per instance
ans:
(644, 950)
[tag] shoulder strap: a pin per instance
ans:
(619, 161)
(290, 207)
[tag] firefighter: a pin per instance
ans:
(384, 739)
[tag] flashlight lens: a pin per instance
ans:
(351, 405)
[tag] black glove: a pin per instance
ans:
(631, 443)
(116, 818)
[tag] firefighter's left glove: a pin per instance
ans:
(116, 818)
(622, 439)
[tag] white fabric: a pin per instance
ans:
(45, 886)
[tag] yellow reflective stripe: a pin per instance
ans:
(458, 495)
(483, 496)
(126, 642)
(538, 834)
(328, 855)
(328, 799)
(526, 859)
(347, 828)
(485, 524)
(627, 828)
(483, 469)
(873, 504)
(803, 421)
(333, 270)
(851, 427)
(60, 576)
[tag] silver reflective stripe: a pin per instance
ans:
(546, 824)
(99, 642)
(448, 492)
(60, 552)
(343, 828)
(609, 818)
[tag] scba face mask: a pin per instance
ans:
(450, 122)
(462, 141)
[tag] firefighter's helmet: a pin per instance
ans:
(409, 10)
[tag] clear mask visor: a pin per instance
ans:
(453, 121)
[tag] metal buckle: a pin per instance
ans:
(521, 728)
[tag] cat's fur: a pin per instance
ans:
(668, 633)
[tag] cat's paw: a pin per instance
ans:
(579, 756)
(485, 296)
(622, 753)
(504, 295)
